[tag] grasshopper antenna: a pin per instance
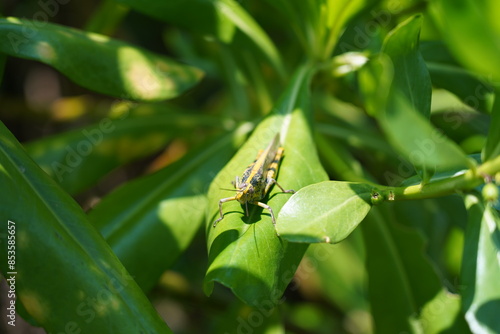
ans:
(238, 190)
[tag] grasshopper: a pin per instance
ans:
(257, 179)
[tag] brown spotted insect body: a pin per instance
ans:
(257, 179)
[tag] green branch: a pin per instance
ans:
(463, 182)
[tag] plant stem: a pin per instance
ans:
(463, 182)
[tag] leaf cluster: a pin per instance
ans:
(389, 116)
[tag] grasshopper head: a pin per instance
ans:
(245, 193)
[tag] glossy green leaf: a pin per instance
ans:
(404, 290)
(471, 31)
(325, 212)
(67, 277)
(150, 221)
(77, 159)
(407, 130)
(220, 18)
(411, 77)
(245, 254)
(98, 62)
(492, 148)
(481, 267)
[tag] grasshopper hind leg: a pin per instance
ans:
(265, 206)
(271, 181)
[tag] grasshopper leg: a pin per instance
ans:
(222, 201)
(265, 206)
(271, 181)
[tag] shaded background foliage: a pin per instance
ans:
(114, 190)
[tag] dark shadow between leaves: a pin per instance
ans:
(487, 314)
(247, 287)
(364, 191)
(220, 243)
(459, 325)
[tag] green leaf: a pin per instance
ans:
(337, 272)
(241, 318)
(471, 31)
(67, 276)
(375, 80)
(447, 74)
(410, 80)
(397, 90)
(3, 59)
(220, 18)
(492, 148)
(442, 315)
(77, 159)
(472, 91)
(325, 212)
(339, 161)
(334, 16)
(401, 282)
(106, 17)
(298, 14)
(319, 24)
(98, 62)
(436, 219)
(244, 252)
(481, 267)
(150, 221)
(411, 77)
(407, 130)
